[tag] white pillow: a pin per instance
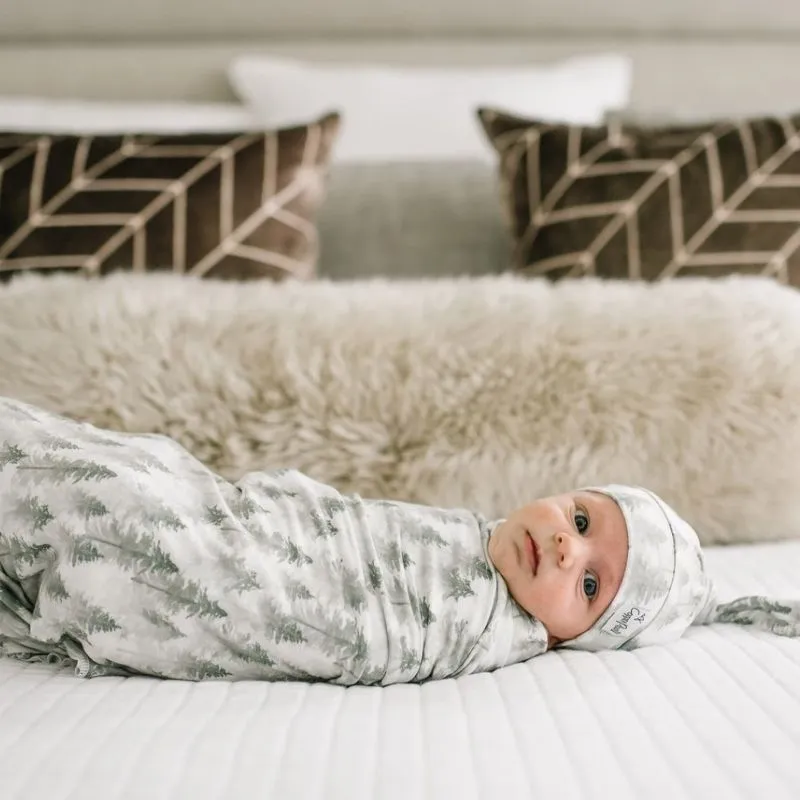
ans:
(44, 115)
(426, 113)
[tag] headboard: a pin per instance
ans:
(691, 59)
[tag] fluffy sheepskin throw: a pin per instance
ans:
(459, 392)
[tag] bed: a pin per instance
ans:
(717, 714)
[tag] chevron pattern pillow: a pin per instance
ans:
(639, 203)
(238, 205)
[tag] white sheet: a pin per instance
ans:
(715, 715)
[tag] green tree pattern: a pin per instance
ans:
(84, 551)
(57, 443)
(34, 512)
(53, 586)
(374, 577)
(427, 617)
(458, 586)
(409, 659)
(243, 506)
(161, 516)
(91, 619)
(428, 536)
(323, 524)
(198, 669)
(11, 454)
(183, 594)
(247, 650)
(353, 593)
(88, 506)
(166, 628)
(143, 462)
(278, 577)
(477, 567)
(288, 550)
(75, 471)
(298, 591)
(217, 517)
(285, 629)
(238, 576)
(26, 553)
(136, 550)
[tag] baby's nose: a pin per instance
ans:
(567, 547)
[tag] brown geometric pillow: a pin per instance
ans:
(225, 205)
(624, 201)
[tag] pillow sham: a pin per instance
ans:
(651, 202)
(235, 205)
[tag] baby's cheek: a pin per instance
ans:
(552, 600)
(529, 599)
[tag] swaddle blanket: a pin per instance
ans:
(123, 554)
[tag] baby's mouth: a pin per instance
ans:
(533, 554)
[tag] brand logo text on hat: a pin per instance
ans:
(626, 620)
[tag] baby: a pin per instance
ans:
(122, 554)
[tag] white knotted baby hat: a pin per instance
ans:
(665, 587)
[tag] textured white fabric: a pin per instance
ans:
(717, 714)
(45, 115)
(426, 113)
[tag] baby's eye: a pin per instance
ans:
(590, 586)
(581, 522)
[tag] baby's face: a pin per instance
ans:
(563, 559)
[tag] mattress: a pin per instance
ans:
(714, 715)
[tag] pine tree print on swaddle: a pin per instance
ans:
(122, 554)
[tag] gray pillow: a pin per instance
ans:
(412, 220)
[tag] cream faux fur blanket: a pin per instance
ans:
(479, 392)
